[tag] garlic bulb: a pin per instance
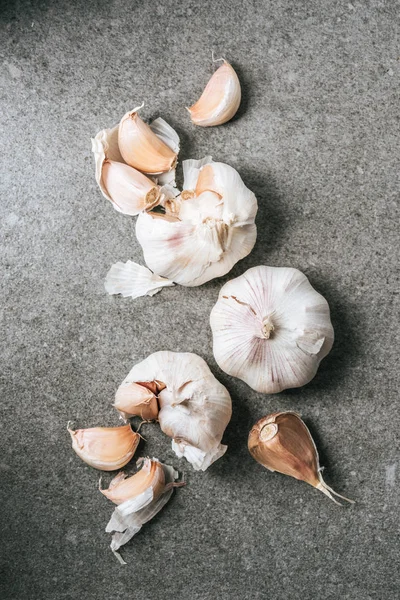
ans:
(139, 498)
(282, 442)
(105, 448)
(135, 399)
(194, 407)
(143, 149)
(220, 99)
(271, 329)
(205, 231)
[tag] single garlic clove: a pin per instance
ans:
(135, 399)
(105, 448)
(142, 148)
(131, 279)
(282, 442)
(220, 99)
(271, 329)
(195, 408)
(139, 499)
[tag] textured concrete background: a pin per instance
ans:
(316, 138)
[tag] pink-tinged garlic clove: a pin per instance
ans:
(123, 488)
(220, 99)
(105, 448)
(135, 399)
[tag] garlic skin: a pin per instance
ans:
(142, 148)
(105, 448)
(139, 498)
(271, 329)
(195, 408)
(207, 229)
(220, 99)
(133, 280)
(133, 399)
(282, 442)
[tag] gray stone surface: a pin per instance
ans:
(316, 139)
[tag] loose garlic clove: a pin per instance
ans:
(282, 442)
(134, 399)
(207, 234)
(194, 407)
(220, 99)
(271, 329)
(139, 498)
(105, 448)
(142, 148)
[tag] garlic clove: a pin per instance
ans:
(145, 149)
(105, 448)
(282, 442)
(271, 329)
(135, 399)
(139, 499)
(195, 407)
(220, 99)
(131, 279)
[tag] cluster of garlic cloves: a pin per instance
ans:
(194, 407)
(220, 99)
(105, 448)
(138, 498)
(271, 328)
(282, 442)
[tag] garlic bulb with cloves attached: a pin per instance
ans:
(220, 99)
(282, 442)
(205, 231)
(195, 408)
(105, 448)
(139, 498)
(271, 328)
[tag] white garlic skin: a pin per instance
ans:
(210, 231)
(195, 407)
(271, 329)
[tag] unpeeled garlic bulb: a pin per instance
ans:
(282, 442)
(195, 408)
(139, 498)
(105, 448)
(220, 99)
(136, 399)
(271, 328)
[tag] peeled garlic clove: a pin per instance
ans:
(139, 498)
(271, 329)
(282, 442)
(134, 399)
(105, 448)
(143, 148)
(220, 99)
(131, 279)
(194, 407)
(208, 233)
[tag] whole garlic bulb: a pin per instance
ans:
(195, 407)
(271, 329)
(205, 231)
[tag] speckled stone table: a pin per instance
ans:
(316, 139)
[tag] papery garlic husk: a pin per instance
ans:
(220, 99)
(129, 190)
(142, 148)
(205, 231)
(133, 280)
(105, 448)
(195, 407)
(271, 329)
(282, 442)
(133, 399)
(139, 498)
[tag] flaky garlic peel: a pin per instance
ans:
(195, 407)
(282, 442)
(271, 328)
(220, 99)
(105, 448)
